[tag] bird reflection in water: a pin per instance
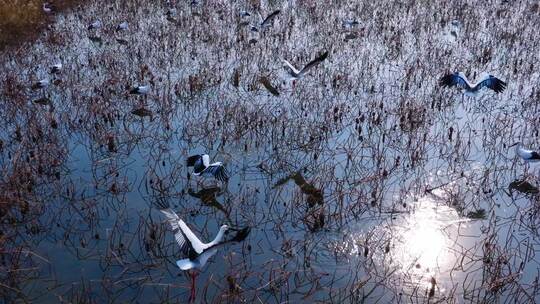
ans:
(207, 196)
(315, 215)
(523, 186)
(314, 195)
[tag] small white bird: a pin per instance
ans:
(202, 166)
(197, 253)
(47, 7)
(40, 84)
(459, 80)
(122, 26)
(244, 14)
(171, 12)
(140, 90)
(349, 23)
(296, 74)
(56, 68)
(95, 25)
(528, 156)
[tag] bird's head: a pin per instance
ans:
(224, 228)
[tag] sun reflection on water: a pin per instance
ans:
(418, 244)
(422, 238)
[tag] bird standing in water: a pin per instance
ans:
(529, 156)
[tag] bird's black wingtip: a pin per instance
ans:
(192, 159)
(446, 80)
(324, 55)
(241, 235)
(498, 85)
(222, 175)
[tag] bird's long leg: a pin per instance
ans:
(193, 275)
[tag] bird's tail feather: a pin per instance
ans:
(185, 264)
(162, 203)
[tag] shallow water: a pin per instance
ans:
(363, 182)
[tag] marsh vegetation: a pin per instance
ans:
(363, 181)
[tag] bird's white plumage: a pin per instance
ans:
(293, 69)
(172, 218)
(177, 223)
(526, 154)
(95, 25)
(41, 84)
(144, 89)
(206, 160)
(486, 80)
(187, 264)
(462, 75)
(185, 237)
(195, 242)
(483, 77)
(46, 7)
(122, 26)
(140, 90)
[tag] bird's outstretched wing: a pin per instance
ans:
(218, 171)
(493, 83)
(135, 90)
(185, 246)
(189, 243)
(293, 71)
(454, 79)
(172, 218)
(241, 235)
(535, 155)
(269, 19)
(314, 62)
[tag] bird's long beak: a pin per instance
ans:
(234, 229)
(513, 144)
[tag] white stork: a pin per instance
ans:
(459, 80)
(56, 68)
(140, 90)
(197, 253)
(47, 7)
(529, 156)
(266, 22)
(40, 84)
(202, 167)
(94, 25)
(190, 245)
(295, 74)
(122, 26)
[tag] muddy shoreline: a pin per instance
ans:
(23, 21)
